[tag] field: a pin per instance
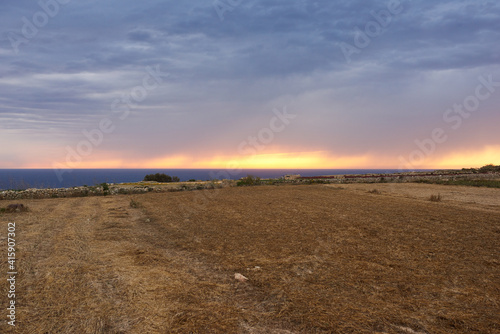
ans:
(318, 258)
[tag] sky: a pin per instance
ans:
(249, 84)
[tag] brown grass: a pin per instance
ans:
(317, 259)
(466, 197)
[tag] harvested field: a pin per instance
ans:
(319, 259)
(471, 197)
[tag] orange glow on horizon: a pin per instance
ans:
(467, 159)
(287, 160)
(300, 160)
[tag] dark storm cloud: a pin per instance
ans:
(262, 53)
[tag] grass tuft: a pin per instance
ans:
(435, 198)
(12, 208)
(134, 204)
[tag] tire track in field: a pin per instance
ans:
(161, 289)
(51, 254)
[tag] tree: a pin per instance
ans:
(161, 178)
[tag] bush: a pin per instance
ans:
(318, 181)
(161, 178)
(489, 169)
(250, 180)
(11, 208)
(105, 189)
(435, 198)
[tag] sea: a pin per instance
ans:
(20, 179)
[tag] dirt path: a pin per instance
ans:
(62, 273)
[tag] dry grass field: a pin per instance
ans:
(470, 197)
(319, 259)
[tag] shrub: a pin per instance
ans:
(161, 178)
(15, 208)
(249, 180)
(105, 189)
(489, 169)
(435, 198)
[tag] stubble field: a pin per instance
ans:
(319, 259)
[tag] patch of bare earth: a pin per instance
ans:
(318, 260)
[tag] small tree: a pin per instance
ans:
(161, 178)
(105, 189)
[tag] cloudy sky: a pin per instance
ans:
(249, 83)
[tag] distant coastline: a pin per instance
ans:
(488, 176)
(20, 179)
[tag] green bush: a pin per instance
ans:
(161, 178)
(489, 169)
(318, 181)
(105, 189)
(249, 180)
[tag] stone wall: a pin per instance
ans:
(114, 189)
(68, 192)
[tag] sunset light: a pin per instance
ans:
(250, 166)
